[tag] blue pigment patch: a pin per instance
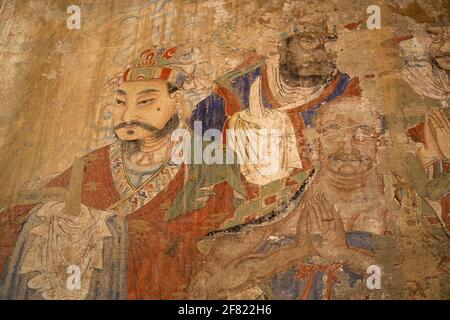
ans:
(308, 115)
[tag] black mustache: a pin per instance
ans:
(170, 126)
(136, 123)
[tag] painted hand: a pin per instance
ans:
(325, 228)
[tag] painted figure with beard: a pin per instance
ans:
(298, 255)
(124, 221)
(279, 93)
(429, 171)
(349, 133)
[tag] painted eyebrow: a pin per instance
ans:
(121, 92)
(148, 91)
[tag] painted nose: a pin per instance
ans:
(129, 114)
(347, 144)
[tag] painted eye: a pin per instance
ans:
(364, 133)
(331, 130)
(120, 102)
(146, 101)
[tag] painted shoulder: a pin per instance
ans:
(251, 67)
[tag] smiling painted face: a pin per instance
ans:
(145, 109)
(349, 133)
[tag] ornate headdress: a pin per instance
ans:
(158, 63)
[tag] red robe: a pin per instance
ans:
(161, 254)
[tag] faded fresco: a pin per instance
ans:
(225, 149)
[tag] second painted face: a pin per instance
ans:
(143, 108)
(305, 60)
(349, 136)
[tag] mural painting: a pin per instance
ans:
(223, 150)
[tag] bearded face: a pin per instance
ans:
(304, 60)
(145, 109)
(349, 137)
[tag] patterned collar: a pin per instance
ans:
(132, 198)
